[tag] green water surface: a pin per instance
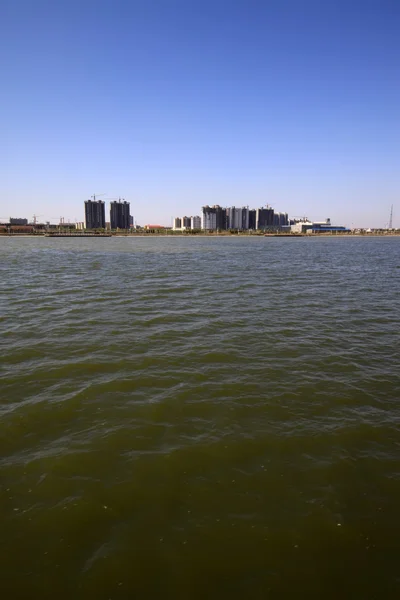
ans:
(199, 418)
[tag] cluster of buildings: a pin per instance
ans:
(218, 218)
(95, 215)
(212, 219)
(185, 223)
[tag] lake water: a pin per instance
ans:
(200, 418)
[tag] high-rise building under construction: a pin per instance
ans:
(120, 215)
(95, 214)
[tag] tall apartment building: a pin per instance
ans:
(237, 218)
(221, 216)
(177, 223)
(208, 218)
(231, 218)
(252, 218)
(243, 218)
(95, 214)
(281, 219)
(120, 214)
(195, 222)
(182, 223)
(264, 218)
(213, 217)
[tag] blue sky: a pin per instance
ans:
(173, 104)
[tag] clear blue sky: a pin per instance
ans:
(173, 104)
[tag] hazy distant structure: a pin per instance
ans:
(18, 221)
(304, 225)
(252, 218)
(281, 219)
(220, 215)
(390, 218)
(231, 217)
(284, 219)
(243, 218)
(95, 214)
(264, 217)
(237, 218)
(213, 217)
(208, 218)
(186, 223)
(120, 214)
(195, 222)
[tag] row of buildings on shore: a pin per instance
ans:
(218, 218)
(213, 219)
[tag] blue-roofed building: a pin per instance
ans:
(306, 226)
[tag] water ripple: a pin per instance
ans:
(224, 410)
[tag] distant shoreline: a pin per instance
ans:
(76, 236)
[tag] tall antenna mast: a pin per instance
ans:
(391, 218)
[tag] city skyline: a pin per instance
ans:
(383, 216)
(225, 217)
(290, 104)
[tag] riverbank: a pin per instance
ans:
(201, 235)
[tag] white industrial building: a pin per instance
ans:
(306, 226)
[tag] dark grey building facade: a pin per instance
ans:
(281, 219)
(220, 214)
(214, 217)
(264, 218)
(252, 218)
(95, 214)
(120, 215)
(18, 221)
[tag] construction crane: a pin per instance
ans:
(96, 196)
(34, 218)
(391, 218)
